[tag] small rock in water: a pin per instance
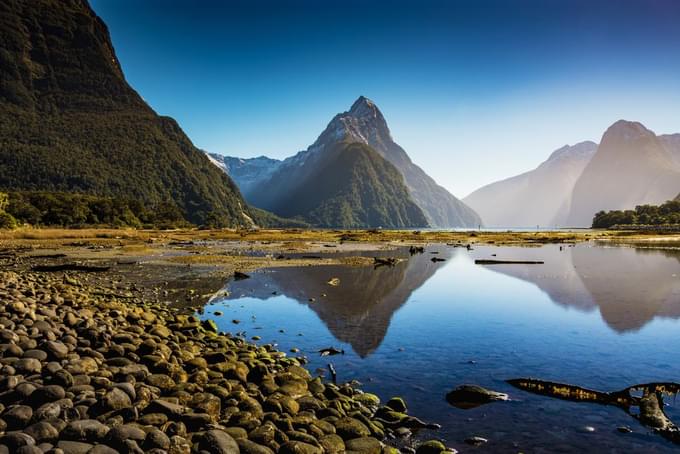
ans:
(471, 396)
(330, 351)
(476, 441)
(397, 404)
(624, 429)
(240, 276)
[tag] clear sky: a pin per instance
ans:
(475, 91)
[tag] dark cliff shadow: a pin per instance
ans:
(358, 311)
(629, 286)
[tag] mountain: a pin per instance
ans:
(248, 173)
(69, 121)
(363, 123)
(541, 196)
(672, 144)
(632, 166)
(349, 185)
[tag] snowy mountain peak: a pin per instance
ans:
(363, 123)
(364, 108)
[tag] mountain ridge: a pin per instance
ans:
(70, 121)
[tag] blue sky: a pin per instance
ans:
(475, 91)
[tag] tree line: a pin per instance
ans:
(68, 209)
(74, 210)
(665, 214)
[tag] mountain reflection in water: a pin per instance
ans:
(358, 310)
(629, 286)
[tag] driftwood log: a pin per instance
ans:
(648, 402)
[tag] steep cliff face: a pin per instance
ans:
(70, 122)
(672, 144)
(539, 197)
(632, 166)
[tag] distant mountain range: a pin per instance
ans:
(369, 186)
(249, 173)
(539, 197)
(631, 166)
(70, 122)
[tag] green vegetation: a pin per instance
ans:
(77, 210)
(354, 187)
(268, 220)
(63, 209)
(7, 221)
(69, 122)
(664, 214)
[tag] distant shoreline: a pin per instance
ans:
(129, 236)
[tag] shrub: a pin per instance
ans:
(7, 221)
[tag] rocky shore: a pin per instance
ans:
(87, 368)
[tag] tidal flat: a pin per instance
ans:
(299, 340)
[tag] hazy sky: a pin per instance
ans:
(475, 91)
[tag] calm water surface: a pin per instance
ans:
(604, 318)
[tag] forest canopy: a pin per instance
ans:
(664, 214)
(68, 209)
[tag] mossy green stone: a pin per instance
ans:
(349, 428)
(368, 399)
(364, 445)
(397, 404)
(431, 447)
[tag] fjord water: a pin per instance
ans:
(598, 317)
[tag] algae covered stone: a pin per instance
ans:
(431, 447)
